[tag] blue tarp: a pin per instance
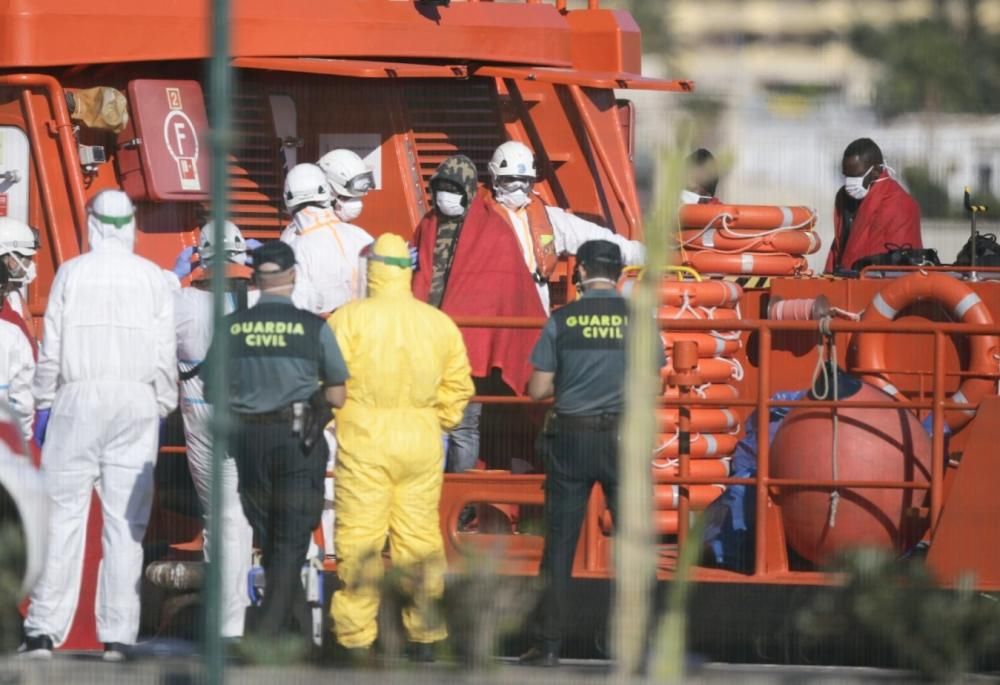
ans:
(730, 519)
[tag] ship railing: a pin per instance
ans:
(561, 5)
(525, 489)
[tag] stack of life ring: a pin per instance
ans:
(756, 240)
(714, 430)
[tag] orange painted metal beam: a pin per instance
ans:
(70, 173)
(354, 68)
(68, 32)
(590, 79)
(964, 537)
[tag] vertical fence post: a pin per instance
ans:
(937, 441)
(763, 448)
(220, 85)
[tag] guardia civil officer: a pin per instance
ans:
(580, 359)
(286, 374)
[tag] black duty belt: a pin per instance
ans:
(283, 415)
(592, 423)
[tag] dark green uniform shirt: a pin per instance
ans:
(583, 343)
(278, 354)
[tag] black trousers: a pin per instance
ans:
(281, 490)
(575, 460)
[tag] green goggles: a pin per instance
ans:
(402, 262)
(116, 221)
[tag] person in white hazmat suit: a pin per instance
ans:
(18, 245)
(17, 366)
(108, 370)
(323, 201)
(193, 315)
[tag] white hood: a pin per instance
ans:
(111, 220)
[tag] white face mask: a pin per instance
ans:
(348, 210)
(28, 270)
(689, 197)
(513, 199)
(449, 204)
(855, 185)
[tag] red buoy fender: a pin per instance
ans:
(746, 216)
(963, 304)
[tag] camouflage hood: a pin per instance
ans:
(461, 171)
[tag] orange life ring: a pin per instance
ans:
(710, 391)
(667, 497)
(232, 270)
(701, 468)
(784, 242)
(709, 344)
(712, 370)
(703, 446)
(748, 263)
(963, 304)
(746, 216)
(695, 293)
(703, 420)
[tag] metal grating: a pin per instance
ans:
(453, 117)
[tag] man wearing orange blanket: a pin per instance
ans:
(872, 212)
(489, 252)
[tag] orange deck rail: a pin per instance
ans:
(507, 489)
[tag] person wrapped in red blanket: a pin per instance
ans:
(873, 214)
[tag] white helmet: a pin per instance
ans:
(111, 216)
(347, 173)
(233, 243)
(306, 183)
(17, 236)
(512, 159)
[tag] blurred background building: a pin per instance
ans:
(784, 85)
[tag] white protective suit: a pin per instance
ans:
(328, 272)
(17, 368)
(108, 369)
(570, 232)
(193, 315)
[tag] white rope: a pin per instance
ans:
(830, 386)
(737, 374)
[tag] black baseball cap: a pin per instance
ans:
(274, 253)
(599, 252)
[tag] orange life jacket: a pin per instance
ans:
(543, 239)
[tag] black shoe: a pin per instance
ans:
(352, 657)
(422, 652)
(539, 656)
(115, 652)
(36, 647)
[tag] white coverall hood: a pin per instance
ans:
(111, 220)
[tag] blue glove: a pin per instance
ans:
(184, 266)
(414, 257)
(41, 425)
(253, 244)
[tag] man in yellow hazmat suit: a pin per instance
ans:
(409, 381)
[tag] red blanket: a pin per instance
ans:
(488, 278)
(887, 215)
